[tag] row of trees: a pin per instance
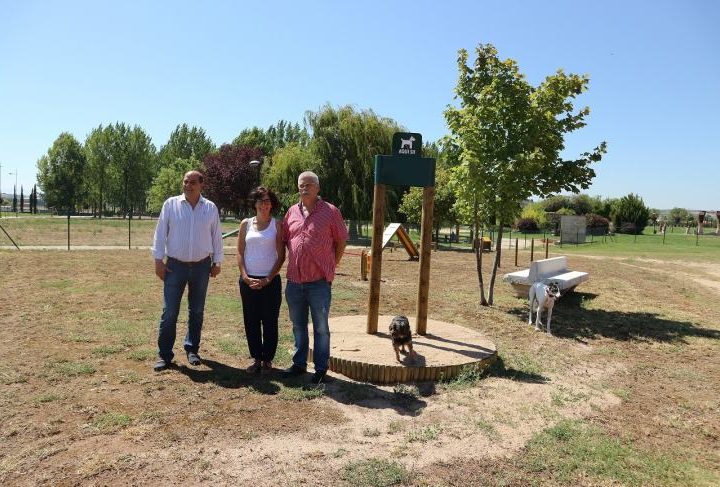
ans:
(19, 204)
(504, 146)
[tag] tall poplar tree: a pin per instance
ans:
(60, 173)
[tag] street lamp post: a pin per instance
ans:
(256, 165)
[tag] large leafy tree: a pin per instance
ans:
(185, 143)
(630, 215)
(510, 135)
(168, 182)
(132, 162)
(287, 164)
(229, 176)
(61, 171)
(679, 216)
(346, 141)
(275, 137)
(99, 175)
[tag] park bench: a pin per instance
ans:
(546, 270)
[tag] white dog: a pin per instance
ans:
(544, 295)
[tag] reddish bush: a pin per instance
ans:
(526, 225)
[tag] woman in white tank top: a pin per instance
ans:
(260, 255)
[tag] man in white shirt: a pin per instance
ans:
(188, 233)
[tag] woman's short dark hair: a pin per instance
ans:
(260, 193)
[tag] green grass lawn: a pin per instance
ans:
(52, 230)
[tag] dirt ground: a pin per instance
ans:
(634, 352)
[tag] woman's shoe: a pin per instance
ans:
(254, 368)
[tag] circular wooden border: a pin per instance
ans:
(395, 374)
(376, 368)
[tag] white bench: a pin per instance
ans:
(546, 270)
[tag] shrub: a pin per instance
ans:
(555, 203)
(536, 211)
(630, 215)
(627, 227)
(526, 225)
(596, 224)
(594, 221)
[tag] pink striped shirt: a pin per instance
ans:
(311, 242)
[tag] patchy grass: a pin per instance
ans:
(69, 368)
(112, 421)
(231, 346)
(467, 378)
(374, 472)
(305, 393)
(622, 393)
(107, 350)
(423, 435)
(574, 450)
(371, 432)
(49, 397)
(142, 354)
(487, 428)
(9, 376)
(84, 405)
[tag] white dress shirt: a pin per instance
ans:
(186, 233)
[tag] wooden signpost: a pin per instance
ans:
(405, 167)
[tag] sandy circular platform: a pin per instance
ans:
(440, 354)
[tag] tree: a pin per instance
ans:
(346, 142)
(510, 135)
(274, 138)
(132, 162)
(630, 215)
(99, 176)
(33, 200)
(287, 164)
(60, 173)
(679, 215)
(15, 200)
(168, 182)
(229, 177)
(185, 143)
(22, 200)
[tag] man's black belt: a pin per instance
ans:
(190, 264)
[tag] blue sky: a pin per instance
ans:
(654, 68)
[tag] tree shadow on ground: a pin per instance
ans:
(571, 320)
(499, 369)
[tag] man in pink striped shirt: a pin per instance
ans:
(315, 235)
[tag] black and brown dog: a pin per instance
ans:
(401, 336)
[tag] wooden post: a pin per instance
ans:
(532, 248)
(516, 251)
(376, 256)
(363, 265)
(547, 246)
(425, 242)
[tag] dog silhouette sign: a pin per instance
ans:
(407, 144)
(405, 166)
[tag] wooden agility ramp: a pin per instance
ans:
(403, 237)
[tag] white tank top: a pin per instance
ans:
(260, 248)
